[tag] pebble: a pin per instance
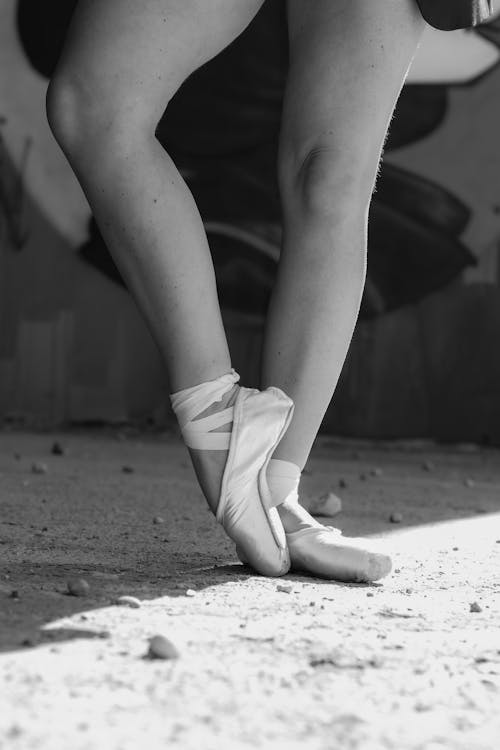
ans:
(327, 504)
(161, 648)
(14, 594)
(376, 472)
(285, 589)
(396, 517)
(427, 466)
(158, 519)
(78, 587)
(57, 449)
(362, 477)
(128, 601)
(474, 607)
(342, 483)
(469, 482)
(37, 467)
(190, 592)
(128, 469)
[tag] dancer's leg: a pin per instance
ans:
(122, 63)
(348, 62)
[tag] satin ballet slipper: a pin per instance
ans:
(322, 550)
(245, 507)
(325, 553)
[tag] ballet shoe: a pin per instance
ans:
(316, 549)
(245, 507)
(323, 552)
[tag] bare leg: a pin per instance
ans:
(123, 62)
(349, 59)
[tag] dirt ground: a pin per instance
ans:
(264, 663)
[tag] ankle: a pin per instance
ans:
(283, 479)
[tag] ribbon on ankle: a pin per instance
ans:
(190, 402)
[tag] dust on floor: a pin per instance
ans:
(410, 664)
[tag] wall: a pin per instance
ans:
(73, 346)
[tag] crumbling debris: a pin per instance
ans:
(78, 587)
(128, 601)
(38, 467)
(161, 647)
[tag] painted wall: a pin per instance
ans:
(424, 362)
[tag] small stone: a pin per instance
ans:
(409, 591)
(427, 466)
(128, 469)
(37, 467)
(469, 482)
(17, 456)
(369, 593)
(158, 520)
(128, 601)
(327, 504)
(285, 589)
(161, 648)
(455, 549)
(57, 449)
(342, 483)
(190, 592)
(78, 587)
(362, 476)
(14, 594)
(376, 472)
(396, 517)
(474, 607)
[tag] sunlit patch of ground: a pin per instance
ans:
(403, 664)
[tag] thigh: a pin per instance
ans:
(348, 61)
(146, 48)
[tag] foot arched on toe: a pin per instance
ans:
(316, 549)
(258, 420)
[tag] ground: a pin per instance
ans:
(291, 663)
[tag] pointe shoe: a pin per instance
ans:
(245, 508)
(322, 551)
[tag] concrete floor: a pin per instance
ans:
(401, 665)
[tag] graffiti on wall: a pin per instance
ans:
(13, 231)
(222, 130)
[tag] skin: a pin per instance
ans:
(122, 62)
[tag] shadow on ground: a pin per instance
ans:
(126, 516)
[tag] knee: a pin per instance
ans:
(330, 181)
(83, 117)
